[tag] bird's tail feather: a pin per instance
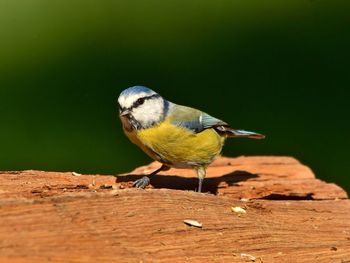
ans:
(231, 133)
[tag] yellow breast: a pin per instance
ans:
(178, 146)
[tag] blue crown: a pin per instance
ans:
(136, 90)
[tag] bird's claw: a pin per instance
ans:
(142, 182)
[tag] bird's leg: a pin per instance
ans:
(201, 174)
(144, 181)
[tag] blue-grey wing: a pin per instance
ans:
(197, 121)
(193, 119)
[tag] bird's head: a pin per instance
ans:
(141, 107)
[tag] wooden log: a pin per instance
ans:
(287, 216)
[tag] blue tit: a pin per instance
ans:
(176, 136)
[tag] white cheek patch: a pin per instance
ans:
(150, 112)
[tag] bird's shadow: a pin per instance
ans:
(210, 184)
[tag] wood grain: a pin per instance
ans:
(290, 216)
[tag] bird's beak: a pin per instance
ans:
(124, 113)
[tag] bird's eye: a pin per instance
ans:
(140, 101)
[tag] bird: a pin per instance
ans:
(176, 136)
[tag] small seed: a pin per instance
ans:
(194, 223)
(238, 209)
(250, 257)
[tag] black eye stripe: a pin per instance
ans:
(140, 102)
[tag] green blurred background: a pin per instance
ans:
(276, 67)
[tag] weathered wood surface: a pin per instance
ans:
(290, 216)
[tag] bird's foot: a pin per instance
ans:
(142, 182)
